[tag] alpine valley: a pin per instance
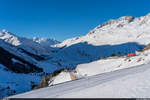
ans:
(28, 63)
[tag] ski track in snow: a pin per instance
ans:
(78, 85)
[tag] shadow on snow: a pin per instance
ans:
(80, 53)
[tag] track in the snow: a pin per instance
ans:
(77, 85)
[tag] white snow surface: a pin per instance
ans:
(130, 83)
(9, 38)
(104, 65)
(101, 79)
(64, 77)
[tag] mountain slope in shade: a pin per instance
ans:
(125, 34)
(22, 63)
(16, 69)
(38, 46)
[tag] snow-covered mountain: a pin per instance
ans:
(126, 34)
(45, 41)
(124, 29)
(22, 63)
(38, 46)
(9, 38)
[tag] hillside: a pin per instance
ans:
(81, 57)
(125, 34)
(129, 82)
(22, 63)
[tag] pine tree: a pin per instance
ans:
(43, 82)
(113, 55)
(119, 54)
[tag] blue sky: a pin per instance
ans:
(62, 19)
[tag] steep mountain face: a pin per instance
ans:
(15, 70)
(126, 34)
(17, 64)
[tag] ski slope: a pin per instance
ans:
(129, 82)
(102, 66)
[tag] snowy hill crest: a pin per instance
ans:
(9, 37)
(121, 30)
(121, 21)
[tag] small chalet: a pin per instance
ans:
(131, 54)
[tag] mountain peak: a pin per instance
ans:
(126, 18)
(148, 14)
(9, 37)
(45, 41)
(5, 31)
(123, 29)
(120, 21)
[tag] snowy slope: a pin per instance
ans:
(125, 34)
(22, 81)
(14, 83)
(9, 38)
(22, 63)
(112, 63)
(130, 82)
(122, 30)
(64, 77)
(27, 49)
(19, 71)
(104, 65)
(38, 47)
